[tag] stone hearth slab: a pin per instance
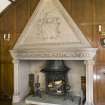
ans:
(49, 100)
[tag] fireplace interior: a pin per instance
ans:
(56, 77)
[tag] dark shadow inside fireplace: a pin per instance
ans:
(56, 77)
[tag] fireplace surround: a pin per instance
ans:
(21, 77)
(51, 34)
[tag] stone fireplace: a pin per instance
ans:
(50, 34)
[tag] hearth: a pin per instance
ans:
(56, 77)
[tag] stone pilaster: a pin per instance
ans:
(16, 97)
(89, 82)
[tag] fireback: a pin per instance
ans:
(56, 77)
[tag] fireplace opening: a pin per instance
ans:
(56, 77)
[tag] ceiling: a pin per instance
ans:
(4, 4)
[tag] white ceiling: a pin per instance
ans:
(4, 4)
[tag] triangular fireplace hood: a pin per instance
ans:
(51, 33)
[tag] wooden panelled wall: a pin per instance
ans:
(88, 14)
(12, 21)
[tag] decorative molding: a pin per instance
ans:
(15, 61)
(89, 62)
(71, 54)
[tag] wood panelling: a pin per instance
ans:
(67, 5)
(100, 19)
(99, 84)
(12, 21)
(100, 11)
(6, 77)
(82, 13)
(7, 25)
(33, 4)
(22, 15)
(26, 7)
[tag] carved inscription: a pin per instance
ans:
(56, 54)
